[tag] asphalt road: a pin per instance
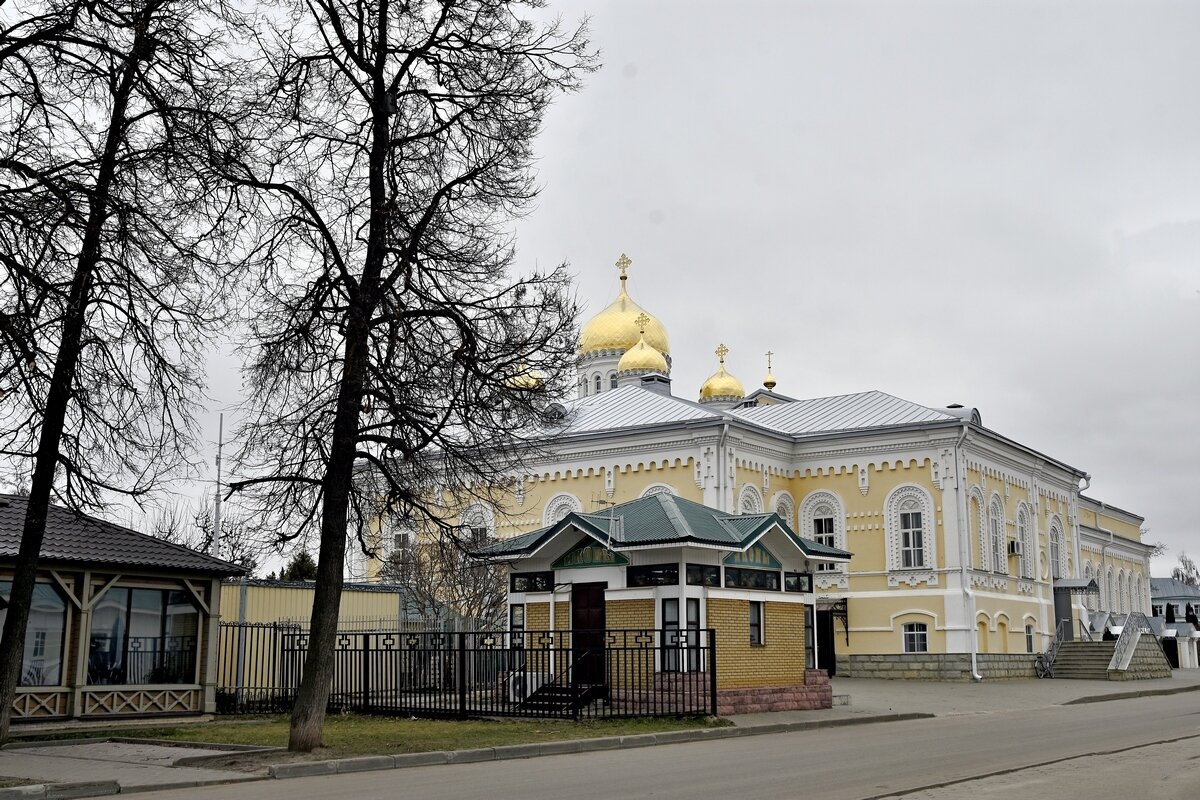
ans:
(852, 763)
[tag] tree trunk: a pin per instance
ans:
(12, 641)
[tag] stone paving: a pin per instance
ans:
(140, 765)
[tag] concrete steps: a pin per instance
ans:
(1084, 660)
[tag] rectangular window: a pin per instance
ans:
(1028, 638)
(912, 539)
(916, 637)
(703, 575)
(756, 622)
(797, 582)
(531, 581)
(652, 575)
(670, 634)
(45, 634)
(810, 639)
(823, 534)
(751, 579)
(143, 636)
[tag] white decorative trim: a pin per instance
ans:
(980, 516)
(559, 506)
(749, 500)
(835, 580)
(892, 505)
(864, 481)
(911, 578)
(808, 509)
(658, 488)
(520, 490)
(476, 513)
(997, 539)
(1026, 587)
(610, 478)
(786, 500)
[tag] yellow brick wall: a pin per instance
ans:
(537, 616)
(777, 662)
(629, 614)
(629, 665)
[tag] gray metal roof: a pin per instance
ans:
(1169, 588)
(79, 539)
(842, 413)
(628, 407)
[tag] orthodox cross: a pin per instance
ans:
(722, 351)
(623, 264)
(769, 354)
(642, 320)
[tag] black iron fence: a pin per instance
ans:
(564, 673)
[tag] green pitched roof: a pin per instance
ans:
(661, 519)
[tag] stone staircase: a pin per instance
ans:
(1090, 660)
(1084, 660)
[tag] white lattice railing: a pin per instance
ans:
(1131, 633)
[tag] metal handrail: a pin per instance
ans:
(1135, 625)
(1055, 643)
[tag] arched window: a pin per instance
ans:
(910, 527)
(823, 519)
(996, 536)
(1089, 599)
(478, 522)
(1112, 592)
(597, 383)
(1138, 603)
(612, 381)
(658, 488)
(1056, 547)
(1026, 544)
(750, 501)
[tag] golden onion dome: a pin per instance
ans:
(527, 379)
(721, 385)
(642, 357)
(616, 327)
(769, 382)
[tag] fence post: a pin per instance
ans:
(462, 675)
(366, 671)
(712, 671)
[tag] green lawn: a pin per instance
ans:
(352, 735)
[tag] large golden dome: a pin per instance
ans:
(721, 385)
(616, 327)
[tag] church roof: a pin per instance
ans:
(846, 412)
(1161, 588)
(630, 407)
(663, 519)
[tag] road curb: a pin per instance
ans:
(536, 750)
(61, 790)
(1101, 698)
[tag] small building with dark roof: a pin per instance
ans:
(122, 624)
(1177, 605)
(674, 573)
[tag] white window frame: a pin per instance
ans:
(809, 511)
(559, 506)
(1024, 561)
(760, 607)
(995, 519)
(914, 634)
(750, 500)
(1054, 549)
(908, 499)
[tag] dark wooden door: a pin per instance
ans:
(826, 643)
(587, 636)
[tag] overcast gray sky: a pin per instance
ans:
(996, 204)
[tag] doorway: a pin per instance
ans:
(587, 633)
(826, 654)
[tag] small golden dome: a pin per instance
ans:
(721, 385)
(642, 357)
(529, 380)
(616, 327)
(769, 381)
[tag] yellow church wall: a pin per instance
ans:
(1093, 518)
(876, 623)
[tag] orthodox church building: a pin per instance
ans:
(966, 545)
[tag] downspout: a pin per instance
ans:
(964, 551)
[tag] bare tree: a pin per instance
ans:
(110, 265)
(387, 328)
(442, 582)
(1186, 572)
(181, 524)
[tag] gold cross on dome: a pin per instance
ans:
(642, 321)
(623, 264)
(722, 351)
(769, 354)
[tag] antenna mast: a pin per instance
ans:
(214, 544)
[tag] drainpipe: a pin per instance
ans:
(964, 551)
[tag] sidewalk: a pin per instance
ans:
(108, 767)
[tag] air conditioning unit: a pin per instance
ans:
(521, 684)
(1014, 547)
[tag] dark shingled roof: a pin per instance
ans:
(663, 519)
(79, 539)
